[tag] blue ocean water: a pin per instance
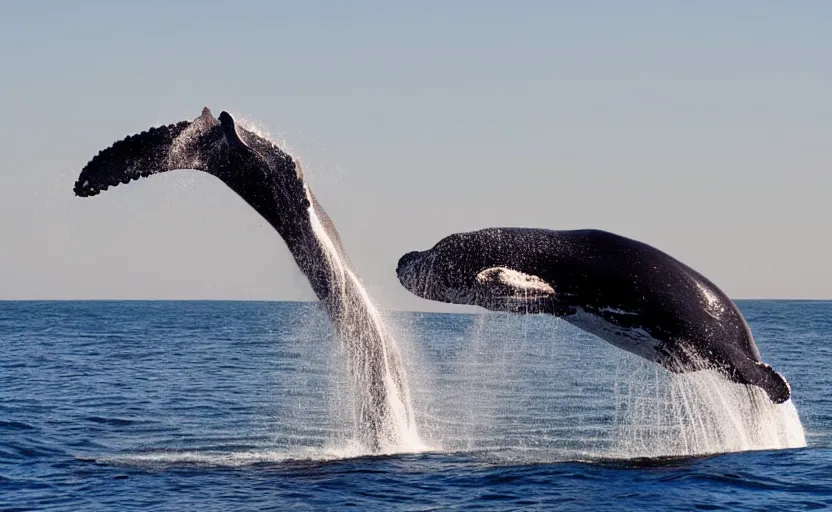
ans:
(243, 406)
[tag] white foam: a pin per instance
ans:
(532, 388)
(241, 458)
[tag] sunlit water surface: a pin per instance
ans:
(245, 406)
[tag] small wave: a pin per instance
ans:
(15, 425)
(27, 449)
(110, 421)
(254, 457)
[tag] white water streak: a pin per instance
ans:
(398, 429)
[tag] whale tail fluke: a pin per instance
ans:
(183, 145)
(253, 166)
(763, 376)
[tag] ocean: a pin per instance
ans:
(211, 405)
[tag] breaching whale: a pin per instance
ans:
(271, 182)
(625, 292)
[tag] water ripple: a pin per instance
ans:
(238, 406)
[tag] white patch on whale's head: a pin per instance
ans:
(502, 283)
(507, 282)
(443, 279)
(506, 289)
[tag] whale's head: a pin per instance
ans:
(442, 273)
(447, 272)
(416, 273)
(465, 268)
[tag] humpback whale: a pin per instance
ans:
(621, 290)
(272, 183)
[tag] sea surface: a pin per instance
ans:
(247, 406)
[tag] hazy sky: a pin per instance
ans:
(702, 128)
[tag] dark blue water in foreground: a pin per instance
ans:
(241, 406)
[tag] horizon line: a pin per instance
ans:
(440, 304)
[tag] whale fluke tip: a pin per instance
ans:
(775, 385)
(780, 391)
(131, 158)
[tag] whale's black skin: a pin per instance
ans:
(272, 183)
(624, 291)
(253, 167)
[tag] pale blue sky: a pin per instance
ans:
(702, 128)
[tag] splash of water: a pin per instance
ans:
(379, 389)
(376, 402)
(656, 413)
(662, 414)
(531, 388)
